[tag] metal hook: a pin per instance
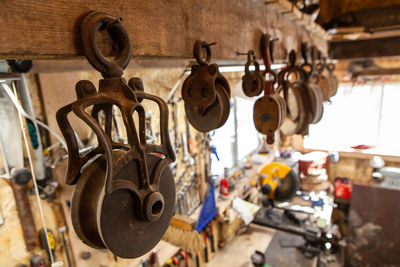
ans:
(197, 52)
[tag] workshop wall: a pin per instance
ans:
(356, 168)
(50, 89)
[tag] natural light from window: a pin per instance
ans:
(359, 115)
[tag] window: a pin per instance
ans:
(359, 115)
(237, 138)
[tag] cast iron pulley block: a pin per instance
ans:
(206, 92)
(252, 81)
(124, 194)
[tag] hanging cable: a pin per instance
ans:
(23, 129)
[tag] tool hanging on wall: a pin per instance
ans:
(333, 80)
(206, 93)
(62, 229)
(252, 81)
(20, 177)
(269, 110)
(293, 83)
(124, 196)
(323, 80)
(316, 93)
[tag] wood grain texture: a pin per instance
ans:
(158, 29)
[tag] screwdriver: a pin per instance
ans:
(45, 245)
(62, 229)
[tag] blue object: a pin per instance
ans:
(214, 151)
(208, 210)
(32, 134)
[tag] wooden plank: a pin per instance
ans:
(382, 47)
(158, 29)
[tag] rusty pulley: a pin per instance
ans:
(124, 196)
(294, 85)
(206, 93)
(270, 109)
(316, 92)
(252, 81)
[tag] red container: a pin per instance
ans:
(311, 163)
(224, 186)
(343, 188)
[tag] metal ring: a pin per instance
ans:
(95, 22)
(197, 53)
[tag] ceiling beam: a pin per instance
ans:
(41, 29)
(368, 48)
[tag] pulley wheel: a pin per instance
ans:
(226, 104)
(110, 221)
(266, 114)
(84, 203)
(212, 117)
(124, 233)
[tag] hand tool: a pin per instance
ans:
(189, 137)
(186, 156)
(206, 246)
(210, 235)
(124, 198)
(154, 262)
(20, 177)
(45, 245)
(197, 259)
(150, 136)
(177, 141)
(62, 229)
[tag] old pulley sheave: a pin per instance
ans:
(124, 194)
(269, 110)
(252, 81)
(206, 93)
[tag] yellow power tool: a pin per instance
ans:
(278, 181)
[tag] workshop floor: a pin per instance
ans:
(238, 251)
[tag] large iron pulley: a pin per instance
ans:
(124, 196)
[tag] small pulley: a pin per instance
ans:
(252, 81)
(124, 194)
(206, 92)
(269, 110)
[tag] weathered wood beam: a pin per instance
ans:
(158, 28)
(369, 48)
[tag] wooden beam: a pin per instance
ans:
(380, 47)
(157, 28)
(377, 72)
